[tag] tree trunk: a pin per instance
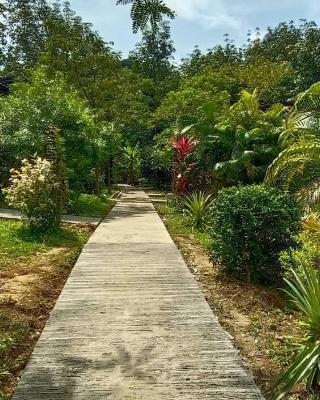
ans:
(98, 180)
(108, 175)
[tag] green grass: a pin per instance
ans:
(18, 243)
(179, 225)
(89, 205)
(83, 205)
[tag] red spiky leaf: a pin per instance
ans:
(184, 146)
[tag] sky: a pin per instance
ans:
(198, 22)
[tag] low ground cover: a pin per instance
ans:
(33, 271)
(83, 205)
(89, 205)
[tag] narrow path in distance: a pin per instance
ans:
(132, 323)
(7, 213)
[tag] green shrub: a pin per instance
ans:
(251, 225)
(305, 254)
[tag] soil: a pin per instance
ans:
(255, 317)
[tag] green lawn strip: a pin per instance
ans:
(88, 205)
(85, 205)
(18, 244)
(179, 225)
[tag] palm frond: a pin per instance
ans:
(145, 11)
(304, 293)
(297, 170)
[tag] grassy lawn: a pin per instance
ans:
(88, 205)
(84, 205)
(178, 225)
(33, 271)
(258, 318)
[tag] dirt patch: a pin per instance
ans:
(18, 287)
(256, 318)
(17, 284)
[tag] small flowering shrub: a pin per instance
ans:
(36, 193)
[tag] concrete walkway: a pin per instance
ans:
(132, 323)
(70, 219)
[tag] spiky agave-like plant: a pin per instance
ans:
(304, 293)
(196, 206)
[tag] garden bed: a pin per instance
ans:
(257, 318)
(33, 271)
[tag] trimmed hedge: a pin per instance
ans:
(250, 226)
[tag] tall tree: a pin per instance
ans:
(77, 51)
(23, 34)
(152, 58)
(144, 12)
(298, 45)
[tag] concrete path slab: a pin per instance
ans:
(70, 219)
(132, 323)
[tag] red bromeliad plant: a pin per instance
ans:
(183, 147)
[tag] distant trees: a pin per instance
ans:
(28, 113)
(297, 45)
(67, 74)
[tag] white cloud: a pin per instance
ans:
(210, 13)
(188, 9)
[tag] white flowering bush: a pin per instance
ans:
(35, 192)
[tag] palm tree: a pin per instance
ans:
(253, 142)
(131, 163)
(144, 11)
(297, 168)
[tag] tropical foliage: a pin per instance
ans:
(305, 254)
(183, 167)
(297, 169)
(131, 164)
(144, 11)
(29, 112)
(234, 131)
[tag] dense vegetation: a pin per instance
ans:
(234, 132)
